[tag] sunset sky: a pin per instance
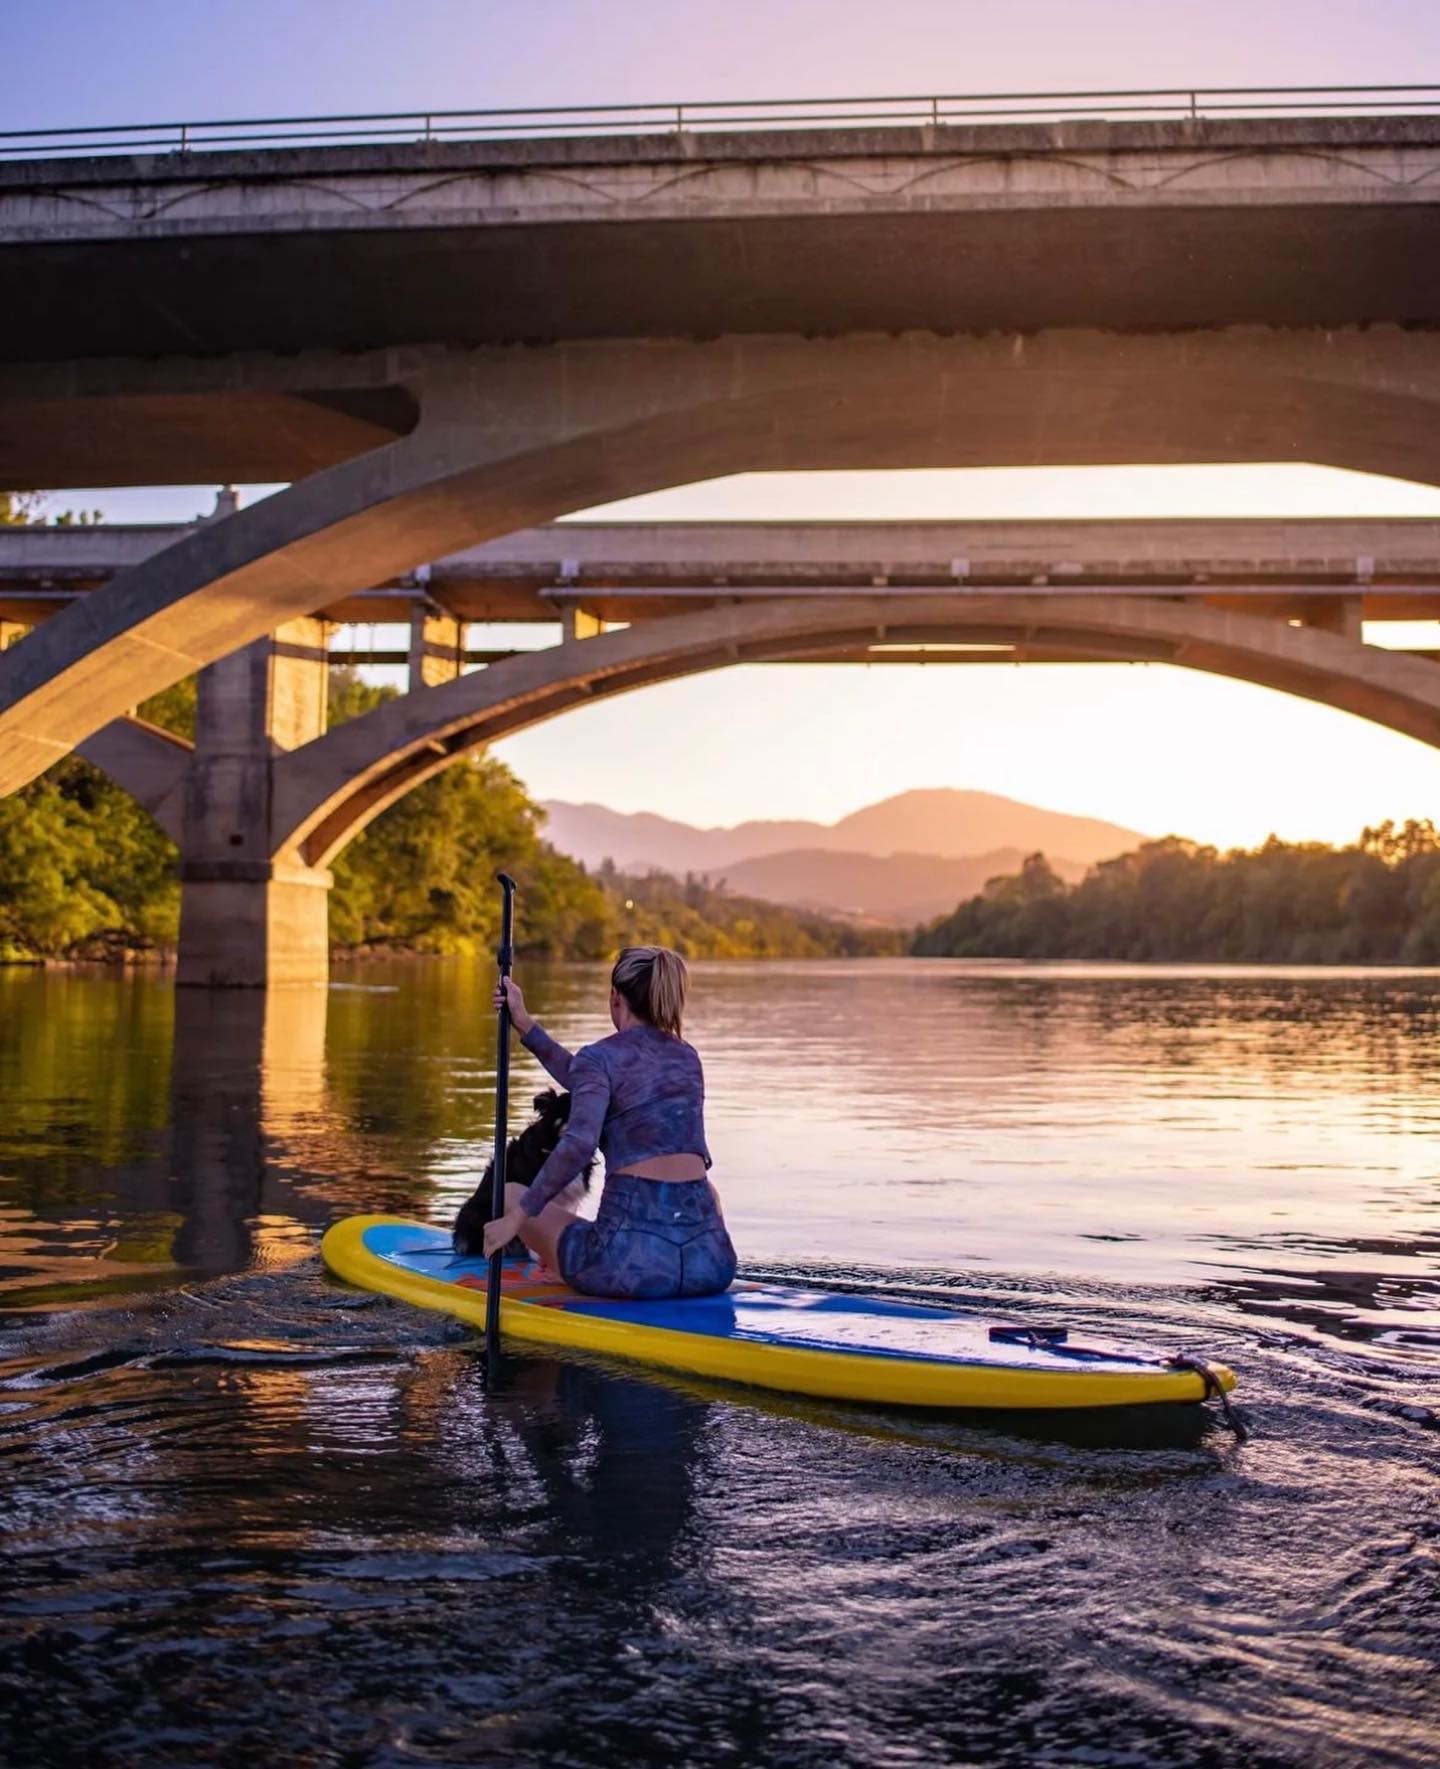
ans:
(1154, 748)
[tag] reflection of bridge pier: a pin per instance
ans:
(248, 1075)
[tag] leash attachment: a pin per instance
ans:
(1214, 1389)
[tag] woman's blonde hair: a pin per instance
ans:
(653, 980)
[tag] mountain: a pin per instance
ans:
(902, 889)
(940, 821)
(635, 840)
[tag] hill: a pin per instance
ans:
(902, 861)
(901, 889)
(940, 820)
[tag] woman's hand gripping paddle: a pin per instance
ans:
(505, 957)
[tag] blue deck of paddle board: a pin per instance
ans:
(815, 1320)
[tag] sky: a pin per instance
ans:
(1220, 760)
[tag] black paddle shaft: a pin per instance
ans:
(505, 957)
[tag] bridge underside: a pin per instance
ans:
(325, 793)
(507, 439)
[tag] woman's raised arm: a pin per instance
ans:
(589, 1100)
(552, 1057)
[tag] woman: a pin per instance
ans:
(639, 1096)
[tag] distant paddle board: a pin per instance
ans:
(814, 1342)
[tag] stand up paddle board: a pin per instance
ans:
(813, 1342)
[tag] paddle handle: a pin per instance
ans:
(505, 958)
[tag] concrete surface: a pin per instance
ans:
(509, 439)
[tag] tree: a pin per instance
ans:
(26, 509)
(83, 870)
(19, 509)
(1376, 902)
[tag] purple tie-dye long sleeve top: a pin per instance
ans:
(634, 1095)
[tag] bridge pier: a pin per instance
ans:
(248, 920)
(1341, 615)
(437, 648)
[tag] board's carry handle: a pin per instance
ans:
(505, 958)
(1034, 1337)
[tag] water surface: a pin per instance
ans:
(252, 1516)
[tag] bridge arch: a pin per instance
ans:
(327, 792)
(148, 762)
(509, 438)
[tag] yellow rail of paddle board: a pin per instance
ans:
(830, 1375)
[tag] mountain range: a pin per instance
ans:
(903, 860)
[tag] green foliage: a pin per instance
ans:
(422, 876)
(173, 708)
(25, 509)
(84, 872)
(702, 920)
(350, 697)
(1375, 902)
(19, 509)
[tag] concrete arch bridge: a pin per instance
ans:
(267, 798)
(442, 343)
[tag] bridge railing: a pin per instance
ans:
(936, 110)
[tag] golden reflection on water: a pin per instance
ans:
(1274, 1132)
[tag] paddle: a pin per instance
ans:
(505, 957)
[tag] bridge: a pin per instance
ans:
(622, 571)
(1289, 604)
(447, 342)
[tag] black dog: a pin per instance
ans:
(525, 1155)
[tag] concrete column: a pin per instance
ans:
(437, 647)
(246, 922)
(1336, 614)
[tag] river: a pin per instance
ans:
(251, 1516)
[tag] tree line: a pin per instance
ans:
(1376, 901)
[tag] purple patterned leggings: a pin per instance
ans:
(652, 1239)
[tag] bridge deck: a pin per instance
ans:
(1295, 220)
(632, 571)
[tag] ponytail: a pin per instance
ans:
(653, 980)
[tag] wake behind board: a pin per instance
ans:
(812, 1342)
